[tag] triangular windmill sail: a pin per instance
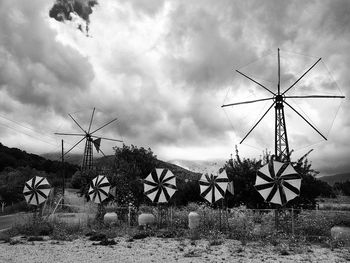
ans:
(160, 185)
(97, 144)
(278, 182)
(230, 188)
(36, 190)
(213, 187)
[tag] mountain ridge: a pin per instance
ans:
(336, 178)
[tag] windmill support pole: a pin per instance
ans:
(63, 175)
(276, 218)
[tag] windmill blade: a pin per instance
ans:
(255, 82)
(104, 125)
(258, 122)
(92, 116)
(301, 76)
(74, 146)
(74, 134)
(306, 121)
(279, 72)
(245, 102)
(115, 140)
(315, 97)
(77, 123)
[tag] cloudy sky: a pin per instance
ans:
(164, 68)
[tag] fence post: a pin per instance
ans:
(129, 215)
(292, 221)
(276, 218)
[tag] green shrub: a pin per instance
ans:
(33, 226)
(241, 225)
(319, 223)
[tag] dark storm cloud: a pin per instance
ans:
(34, 68)
(62, 10)
(200, 52)
(336, 17)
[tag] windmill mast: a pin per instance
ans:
(87, 163)
(90, 140)
(281, 139)
(279, 99)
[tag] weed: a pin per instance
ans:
(64, 231)
(215, 238)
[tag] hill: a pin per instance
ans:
(337, 178)
(14, 158)
(180, 172)
(72, 158)
(200, 166)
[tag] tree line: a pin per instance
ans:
(131, 164)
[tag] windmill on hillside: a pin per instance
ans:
(279, 99)
(90, 139)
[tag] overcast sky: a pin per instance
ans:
(164, 68)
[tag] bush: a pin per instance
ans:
(319, 223)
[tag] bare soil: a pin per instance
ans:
(153, 249)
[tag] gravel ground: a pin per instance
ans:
(164, 250)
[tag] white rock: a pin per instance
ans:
(146, 219)
(340, 233)
(193, 220)
(110, 217)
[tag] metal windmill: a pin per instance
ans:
(90, 139)
(279, 99)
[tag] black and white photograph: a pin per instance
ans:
(174, 131)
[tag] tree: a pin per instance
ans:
(342, 188)
(243, 173)
(130, 166)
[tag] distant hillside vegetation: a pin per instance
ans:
(14, 158)
(337, 178)
(72, 158)
(180, 172)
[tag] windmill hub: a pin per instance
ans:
(279, 98)
(279, 101)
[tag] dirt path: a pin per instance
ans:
(165, 250)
